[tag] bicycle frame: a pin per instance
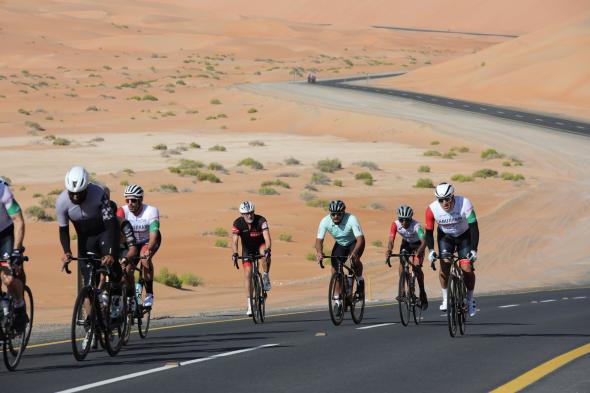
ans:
(257, 292)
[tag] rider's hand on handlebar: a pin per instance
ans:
(234, 259)
(107, 260)
(67, 257)
(472, 256)
(267, 253)
(319, 257)
(432, 256)
(387, 253)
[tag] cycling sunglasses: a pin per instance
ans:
(131, 200)
(448, 199)
(404, 219)
(337, 214)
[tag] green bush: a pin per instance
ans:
(168, 278)
(491, 154)
(128, 171)
(37, 213)
(221, 232)
(449, 155)
(124, 183)
(366, 177)
(511, 176)
(460, 149)
(424, 183)
(24, 112)
(367, 164)
(207, 176)
(215, 166)
(337, 183)
(61, 142)
(191, 279)
(307, 196)
(377, 206)
(215, 101)
(377, 243)
(461, 178)
(285, 237)
(432, 153)
(320, 178)
(485, 173)
(276, 182)
(168, 188)
(222, 243)
(435, 143)
(47, 202)
(292, 161)
(256, 143)
(252, 163)
(252, 110)
(424, 169)
(315, 202)
(194, 145)
(217, 148)
(329, 165)
(160, 146)
(310, 256)
(506, 163)
(55, 191)
(37, 195)
(34, 126)
(267, 191)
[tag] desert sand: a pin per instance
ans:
(106, 85)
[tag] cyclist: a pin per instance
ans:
(145, 220)
(349, 241)
(457, 231)
(413, 242)
(255, 234)
(86, 205)
(12, 234)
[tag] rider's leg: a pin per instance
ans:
(248, 283)
(445, 245)
(265, 268)
(13, 284)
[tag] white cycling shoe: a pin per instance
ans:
(149, 300)
(472, 308)
(443, 305)
(266, 282)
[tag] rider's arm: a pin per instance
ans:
(266, 235)
(14, 211)
(111, 225)
(154, 230)
(319, 241)
(429, 224)
(63, 220)
(422, 237)
(391, 240)
(473, 230)
(358, 234)
(64, 239)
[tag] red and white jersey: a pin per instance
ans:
(148, 220)
(453, 223)
(412, 235)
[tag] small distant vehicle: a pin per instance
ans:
(311, 77)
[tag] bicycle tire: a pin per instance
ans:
(30, 312)
(14, 344)
(357, 303)
(80, 318)
(144, 315)
(113, 333)
(462, 310)
(452, 306)
(337, 316)
(416, 310)
(404, 298)
(262, 299)
(255, 298)
(129, 323)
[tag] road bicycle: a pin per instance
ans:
(257, 292)
(96, 314)
(14, 343)
(343, 292)
(137, 313)
(408, 302)
(457, 295)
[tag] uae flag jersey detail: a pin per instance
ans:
(453, 223)
(412, 235)
(148, 220)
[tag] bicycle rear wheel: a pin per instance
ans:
(404, 298)
(262, 299)
(144, 314)
(452, 306)
(357, 304)
(416, 310)
(115, 326)
(336, 308)
(83, 323)
(129, 323)
(462, 306)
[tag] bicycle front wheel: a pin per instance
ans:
(262, 299)
(404, 298)
(462, 306)
(357, 304)
(255, 293)
(115, 326)
(83, 323)
(336, 297)
(144, 315)
(452, 306)
(416, 310)
(30, 312)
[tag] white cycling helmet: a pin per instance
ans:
(133, 191)
(77, 179)
(444, 190)
(246, 207)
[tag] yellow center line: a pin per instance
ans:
(542, 370)
(205, 323)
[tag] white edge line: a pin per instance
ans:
(158, 369)
(374, 326)
(508, 306)
(548, 301)
(579, 297)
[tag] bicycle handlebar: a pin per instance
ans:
(402, 254)
(65, 266)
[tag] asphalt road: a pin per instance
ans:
(304, 352)
(537, 119)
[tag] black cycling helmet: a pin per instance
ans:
(337, 206)
(405, 211)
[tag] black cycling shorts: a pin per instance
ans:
(449, 244)
(97, 244)
(341, 252)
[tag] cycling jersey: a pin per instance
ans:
(344, 233)
(88, 217)
(8, 206)
(453, 223)
(412, 235)
(145, 222)
(251, 235)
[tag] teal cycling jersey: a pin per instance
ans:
(344, 233)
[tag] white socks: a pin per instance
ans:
(469, 295)
(444, 293)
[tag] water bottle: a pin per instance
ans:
(138, 289)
